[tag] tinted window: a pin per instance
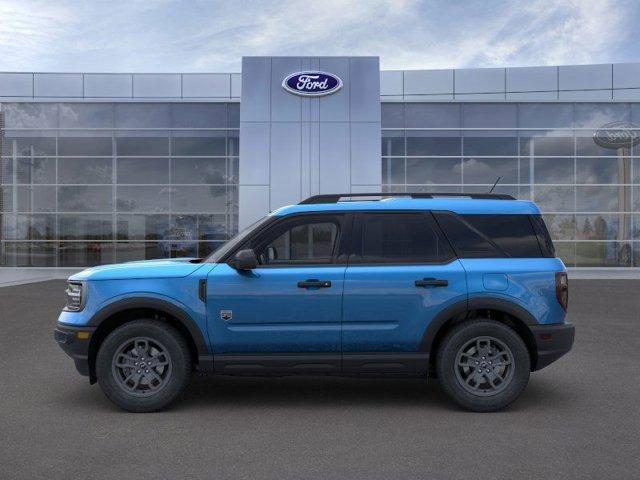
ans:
(491, 235)
(400, 238)
(299, 241)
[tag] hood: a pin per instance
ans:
(163, 268)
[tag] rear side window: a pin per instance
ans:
(485, 236)
(399, 238)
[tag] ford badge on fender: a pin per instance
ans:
(312, 83)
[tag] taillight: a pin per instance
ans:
(562, 290)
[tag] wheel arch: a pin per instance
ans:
(504, 311)
(126, 310)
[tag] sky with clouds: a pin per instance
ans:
(212, 36)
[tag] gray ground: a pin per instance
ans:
(579, 418)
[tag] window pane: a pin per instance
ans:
(488, 115)
(39, 254)
(142, 115)
(142, 227)
(130, 251)
(401, 237)
(233, 112)
(393, 170)
(6, 171)
(33, 146)
(585, 145)
(93, 115)
(434, 170)
(598, 114)
(603, 227)
(555, 199)
(91, 146)
(199, 170)
(553, 170)
(603, 170)
(36, 170)
(392, 115)
(142, 170)
(142, 146)
(490, 145)
(85, 227)
(603, 199)
(544, 145)
(233, 143)
(545, 115)
(200, 199)
(34, 227)
(85, 170)
(312, 242)
(37, 199)
(442, 143)
(6, 199)
(85, 199)
(30, 115)
(392, 143)
(212, 145)
(561, 227)
(514, 234)
(143, 199)
(603, 254)
(487, 170)
(199, 115)
(80, 254)
(432, 115)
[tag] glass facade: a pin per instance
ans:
(92, 183)
(546, 152)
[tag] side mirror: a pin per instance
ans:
(245, 260)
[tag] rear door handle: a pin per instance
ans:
(313, 283)
(431, 282)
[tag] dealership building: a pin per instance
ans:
(100, 168)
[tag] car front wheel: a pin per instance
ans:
(143, 365)
(483, 365)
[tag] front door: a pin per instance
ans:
(402, 273)
(290, 304)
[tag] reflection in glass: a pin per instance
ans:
(211, 145)
(85, 199)
(561, 227)
(392, 115)
(434, 170)
(146, 146)
(37, 254)
(199, 199)
(83, 115)
(603, 170)
(553, 170)
(142, 170)
(603, 254)
(433, 143)
(392, 143)
(603, 199)
(36, 199)
(32, 146)
(199, 115)
(490, 145)
(34, 227)
(554, 199)
(85, 227)
(85, 170)
(199, 170)
(129, 251)
(93, 146)
(36, 170)
(82, 254)
(142, 198)
(142, 227)
(546, 144)
(393, 170)
(432, 115)
(487, 170)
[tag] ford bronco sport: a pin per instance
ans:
(464, 287)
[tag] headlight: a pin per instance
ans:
(75, 297)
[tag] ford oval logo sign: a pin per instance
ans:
(312, 84)
(617, 135)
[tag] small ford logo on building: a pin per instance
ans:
(312, 83)
(616, 135)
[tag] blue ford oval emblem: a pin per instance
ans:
(312, 84)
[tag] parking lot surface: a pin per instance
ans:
(578, 419)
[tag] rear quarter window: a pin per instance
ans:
(486, 236)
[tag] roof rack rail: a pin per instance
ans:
(335, 197)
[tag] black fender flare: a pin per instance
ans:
(475, 303)
(156, 304)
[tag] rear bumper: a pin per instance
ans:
(552, 342)
(75, 345)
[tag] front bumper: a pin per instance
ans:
(552, 342)
(75, 342)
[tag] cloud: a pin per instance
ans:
(168, 36)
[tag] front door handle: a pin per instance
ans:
(313, 283)
(431, 282)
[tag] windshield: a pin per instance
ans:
(234, 241)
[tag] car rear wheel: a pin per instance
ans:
(483, 365)
(143, 365)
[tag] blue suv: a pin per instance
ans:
(466, 288)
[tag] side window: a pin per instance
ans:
(299, 241)
(400, 238)
(485, 236)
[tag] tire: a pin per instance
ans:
(500, 382)
(143, 366)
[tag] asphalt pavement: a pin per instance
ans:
(578, 419)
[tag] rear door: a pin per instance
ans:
(401, 274)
